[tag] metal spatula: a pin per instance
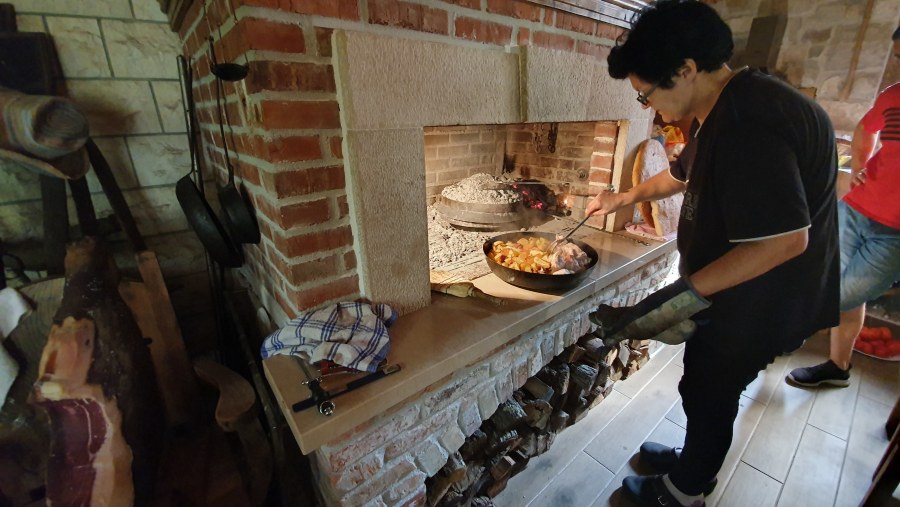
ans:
(561, 241)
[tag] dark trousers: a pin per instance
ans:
(718, 366)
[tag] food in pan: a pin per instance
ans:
(532, 255)
(569, 257)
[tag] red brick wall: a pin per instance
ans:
(455, 153)
(580, 166)
(286, 116)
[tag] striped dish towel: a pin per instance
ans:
(349, 334)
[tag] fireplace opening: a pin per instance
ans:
(482, 180)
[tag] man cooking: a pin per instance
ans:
(757, 233)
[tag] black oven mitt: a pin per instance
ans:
(662, 316)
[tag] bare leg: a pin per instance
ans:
(843, 336)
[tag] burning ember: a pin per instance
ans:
(536, 195)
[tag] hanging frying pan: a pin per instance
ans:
(236, 208)
(198, 212)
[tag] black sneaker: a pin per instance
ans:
(650, 491)
(662, 459)
(825, 373)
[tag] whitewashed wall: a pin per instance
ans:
(818, 46)
(118, 58)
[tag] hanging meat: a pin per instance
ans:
(97, 385)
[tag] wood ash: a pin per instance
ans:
(448, 244)
(480, 188)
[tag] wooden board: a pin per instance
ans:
(152, 309)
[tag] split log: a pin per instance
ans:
(544, 441)
(583, 376)
(501, 442)
(615, 373)
(579, 409)
(528, 446)
(643, 356)
(521, 461)
(538, 389)
(608, 387)
(502, 469)
(558, 421)
(595, 349)
(474, 473)
(455, 469)
(603, 371)
(537, 414)
(595, 397)
(474, 445)
(452, 498)
(573, 353)
(557, 377)
(496, 487)
(438, 487)
(624, 353)
(611, 354)
(508, 415)
(97, 384)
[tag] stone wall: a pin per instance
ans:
(118, 59)
(818, 45)
(385, 462)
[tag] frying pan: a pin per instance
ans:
(237, 212)
(198, 212)
(537, 281)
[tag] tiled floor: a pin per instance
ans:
(792, 447)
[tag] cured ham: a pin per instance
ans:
(89, 463)
(97, 385)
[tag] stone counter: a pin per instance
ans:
(453, 334)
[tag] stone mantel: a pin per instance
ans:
(450, 334)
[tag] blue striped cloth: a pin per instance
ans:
(354, 335)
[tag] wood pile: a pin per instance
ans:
(526, 424)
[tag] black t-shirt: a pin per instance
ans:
(764, 164)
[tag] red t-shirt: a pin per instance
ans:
(879, 197)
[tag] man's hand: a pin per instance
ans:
(605, 202)
(663, 316)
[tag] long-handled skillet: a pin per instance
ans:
(538, 281)
(236, 208)
(198, 212)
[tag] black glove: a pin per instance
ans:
(663, 316)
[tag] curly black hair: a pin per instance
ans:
(667, 33)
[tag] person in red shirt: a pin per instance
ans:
(869, 218)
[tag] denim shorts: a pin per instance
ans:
(870, 257)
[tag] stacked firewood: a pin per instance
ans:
(526, 424)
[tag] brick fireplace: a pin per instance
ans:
(340, 90)
(330, 134)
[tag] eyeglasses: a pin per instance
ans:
(644, 97)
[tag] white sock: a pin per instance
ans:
(682, 498)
